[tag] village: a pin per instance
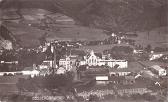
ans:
(125, 70)
(51, 57)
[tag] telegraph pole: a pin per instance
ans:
(55, 58)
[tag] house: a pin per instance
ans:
(114, 80)
(44, 72)
(101, 80)
(113, 63)
(120, 72)
(158, 70)
(46, 64)
(30, 71)
(155, 56)
(68, 61)
(96, 59)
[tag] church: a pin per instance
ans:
(95, 59)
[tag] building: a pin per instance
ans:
(119, 72)
(91, 59)
(114, 63)
(46, 64)
(68, 62)
(30, 71)
(155, 56)
(101, 80)
(158, 70)
(95, 59)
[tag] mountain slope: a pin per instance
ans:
(113, 15)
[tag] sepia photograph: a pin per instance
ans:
(83, 50)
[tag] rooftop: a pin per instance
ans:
(156, 67)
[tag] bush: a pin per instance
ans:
(80, 98)
(5, 74)
(136, 96)
(148, 97)
(10, 74)
(109, 96)
(93, 98)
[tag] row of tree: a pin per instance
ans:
(53, 83)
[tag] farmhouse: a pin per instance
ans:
(158, 70)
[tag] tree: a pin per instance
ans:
(149, 97)
(148, 48)
(93, 98)
(54, 83)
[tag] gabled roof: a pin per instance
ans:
(156, 67)
(93, 53)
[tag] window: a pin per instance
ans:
(95, 61)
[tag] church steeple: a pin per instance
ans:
(92, 53)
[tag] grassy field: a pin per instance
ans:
(157, 37)
(8, 84)
(29, 35)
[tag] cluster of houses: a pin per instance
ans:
(67, 62)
